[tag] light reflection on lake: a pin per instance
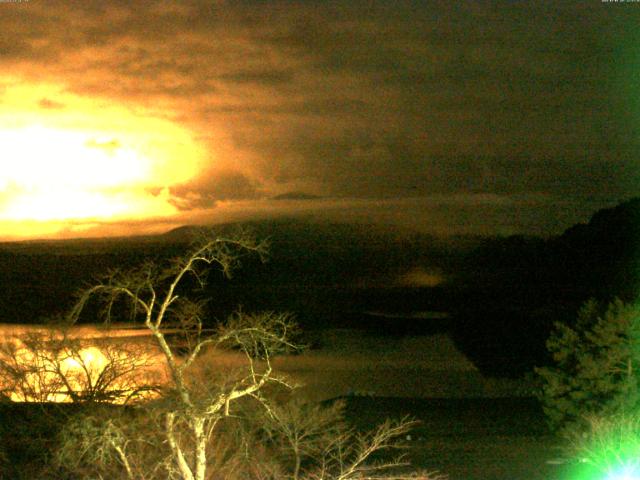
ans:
(348, 361)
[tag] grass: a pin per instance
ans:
(470, 438)
(466, 438)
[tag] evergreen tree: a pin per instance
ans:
(595, 365)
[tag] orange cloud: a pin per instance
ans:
(92, 160)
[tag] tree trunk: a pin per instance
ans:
(201, 445)
(183, 466)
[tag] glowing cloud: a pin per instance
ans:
(86, 159)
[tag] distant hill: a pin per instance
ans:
(600, 258)
(514, 288)
(324, 272)
(603, 255)
(503, 294)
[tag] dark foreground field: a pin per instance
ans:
(466, 438)
(471, 438)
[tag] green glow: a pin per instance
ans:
(608, 450)
(625, 470)
(628, 472)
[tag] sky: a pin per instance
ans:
(490, 117)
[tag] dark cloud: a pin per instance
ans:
(364, 99)
(298, 108)
(259, 76)
(14, 48)
(211, 187)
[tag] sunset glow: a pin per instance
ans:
(80, 159)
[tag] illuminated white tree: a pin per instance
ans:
(190, 416)
(194, 409)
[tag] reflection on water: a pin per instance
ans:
(87, 363)
(348, 360)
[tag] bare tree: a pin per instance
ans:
(199, 410)
(323, 447)
(303, 432)
(51, 366)
(192, 410)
